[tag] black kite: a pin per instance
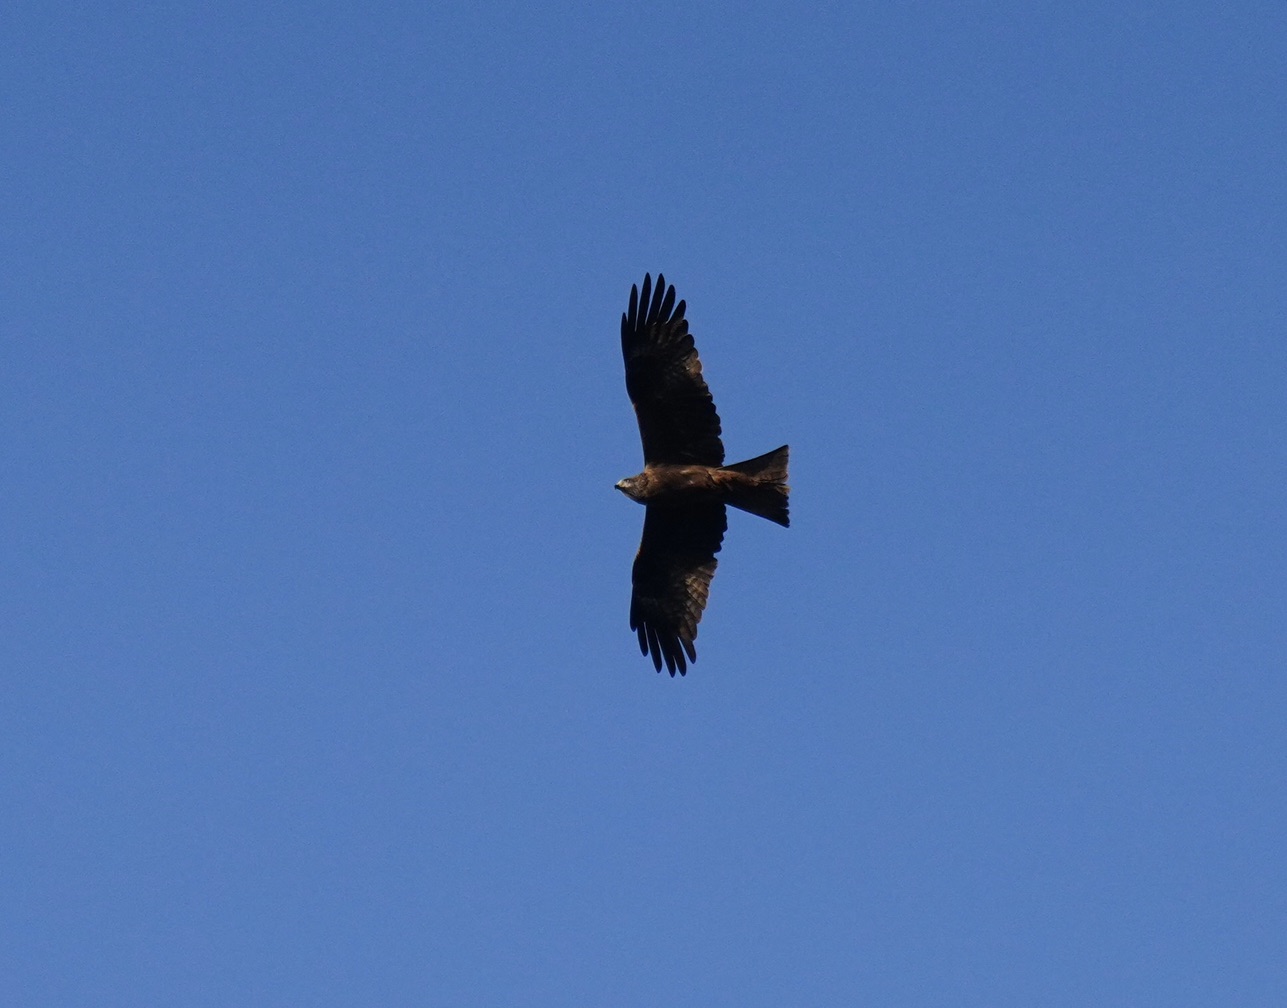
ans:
(685, 484)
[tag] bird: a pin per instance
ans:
(685, 486)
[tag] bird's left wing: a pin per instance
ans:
(677, 419)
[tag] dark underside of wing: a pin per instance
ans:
(672, 579)
(677, 418)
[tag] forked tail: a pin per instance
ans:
(765, 490)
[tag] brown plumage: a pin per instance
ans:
(685, 484)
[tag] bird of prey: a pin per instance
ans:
(685, 484)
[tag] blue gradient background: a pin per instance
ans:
(318, 688)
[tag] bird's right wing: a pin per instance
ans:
(672, 578)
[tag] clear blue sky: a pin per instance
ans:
(318, 685)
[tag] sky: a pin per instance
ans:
(318, 683)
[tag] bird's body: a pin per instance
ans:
(675, 484)
(685, 484)
(755, 485)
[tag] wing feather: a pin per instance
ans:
(672, 580)
(678, 423)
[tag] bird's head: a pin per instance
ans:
(630, 487)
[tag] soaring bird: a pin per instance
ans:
(685, 484)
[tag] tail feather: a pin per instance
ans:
(766, 491)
